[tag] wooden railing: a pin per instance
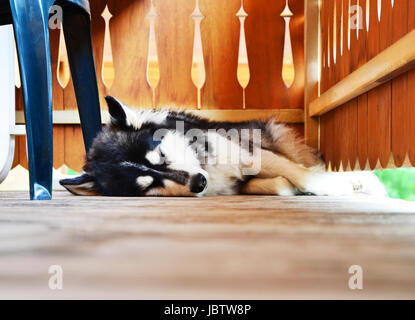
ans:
(367, 102)
(231, 59)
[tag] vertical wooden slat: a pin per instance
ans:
(374, 110)
(296, 91)
(265, 43)
(129, 40)
(57, 97)
(343, 67)
(323, 76)
(220, 38)
(411, 90)
(98, 38)
(352, 109)
(339, 117)
(385, 91)
(362, 112)
(400, 107)
(312, 31)
(331, 129)
(174, 32)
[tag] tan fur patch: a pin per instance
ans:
(171, 189)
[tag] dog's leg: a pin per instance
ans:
(306, 180)
(279, 186)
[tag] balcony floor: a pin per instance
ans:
(244, 247)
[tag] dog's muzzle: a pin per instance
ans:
(198, 183)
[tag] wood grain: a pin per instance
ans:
(175, 50)
(338, 121)
(411, 90)
(400, 109)
(265, 30)
(240, 247)
(129, 40)
(351, 113)
(362, 104)
(57, 98)
(323, 77)
(312, 63)
(373, 97)
(220, 38)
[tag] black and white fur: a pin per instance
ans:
(129, 158)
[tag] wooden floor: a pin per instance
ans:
(227, 247)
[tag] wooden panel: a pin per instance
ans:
(311, 90)
(265, 37)
(323, 76)
(175, 50)
(296, 91)
(411, 90)
(331, 126)
(400, 107)
(98, 37)
(129, 40)
(57, 97)
(220, 37)
(362, 105)
(384, 91)
(381, 116)
(339, 145)
(351, 113)
(373, 97)
(281, 115)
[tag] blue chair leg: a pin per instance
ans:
(77, 30)
(32, 38)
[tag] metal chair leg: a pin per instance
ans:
(77, 30)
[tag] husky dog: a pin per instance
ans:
(170, 153)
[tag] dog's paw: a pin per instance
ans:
(344, 184)
(366, 182)
(328, 184)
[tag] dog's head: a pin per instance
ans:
(137, 154)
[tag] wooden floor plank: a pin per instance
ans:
(244, 247)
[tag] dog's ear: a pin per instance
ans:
(83, 185)
(121, 115)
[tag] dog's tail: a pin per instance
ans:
(285, 140)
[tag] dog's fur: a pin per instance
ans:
(147, 153)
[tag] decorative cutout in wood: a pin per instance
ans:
(243, 72)
(63, 64)
(108, 73)
(153, 70)
(198, 72)
(379, 10)
(288, 71)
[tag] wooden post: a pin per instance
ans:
(312, 68)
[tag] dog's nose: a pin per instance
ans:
(198, 183)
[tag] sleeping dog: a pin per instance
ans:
(171, 153)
